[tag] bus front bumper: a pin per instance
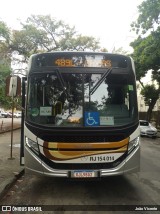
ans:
(130, 165)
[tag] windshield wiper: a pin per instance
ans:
(106, 73)
(63, 84)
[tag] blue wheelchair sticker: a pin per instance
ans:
(92, 118)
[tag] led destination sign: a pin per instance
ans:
(88, 63)
(81, 60)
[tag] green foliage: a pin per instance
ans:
(38, 34)
(146, 54)
(147, 49)
(150, 93)
(4, 32)
(149, 16)
(4, 72)
(5, 102)
(4, 63)
(45, 34)
(79, 43)
(4, 44)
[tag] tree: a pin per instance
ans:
(4, 33)
(5, 62)
(38, 34)
(79, 43)
(151, 95)
(45, 34)
(147, 50)
(4, 72)
(149, 17)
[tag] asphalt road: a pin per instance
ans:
(141, 189)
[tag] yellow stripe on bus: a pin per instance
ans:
(66, 155)
(80, 145)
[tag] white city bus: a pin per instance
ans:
(81, 117)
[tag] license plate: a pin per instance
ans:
(84, 174)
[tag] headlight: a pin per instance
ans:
(32, 145)
(132, 144)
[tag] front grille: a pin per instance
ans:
(84, 139)
(150, 132)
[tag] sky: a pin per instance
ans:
(107, 20)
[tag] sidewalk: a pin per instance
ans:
(5, 124)
(10, 169)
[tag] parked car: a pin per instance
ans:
(6, 114)
(17, 114)
(147, 129)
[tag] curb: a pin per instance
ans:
(10, 181)
(10, 184)
(9, 130)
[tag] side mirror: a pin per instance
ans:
(13, 86)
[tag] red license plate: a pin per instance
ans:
(83, 174)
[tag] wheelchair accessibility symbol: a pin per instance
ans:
(91, 119)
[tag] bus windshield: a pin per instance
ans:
(66, 99)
